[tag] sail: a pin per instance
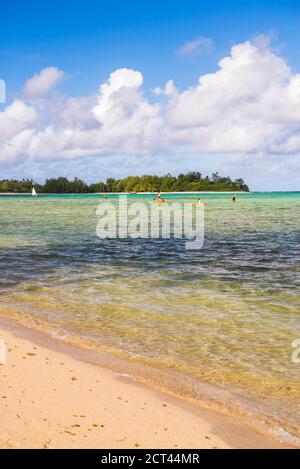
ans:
(34, 191)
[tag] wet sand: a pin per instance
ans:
(51, 399)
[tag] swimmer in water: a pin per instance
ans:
(233, 199)
(199, 202)
(158, 200)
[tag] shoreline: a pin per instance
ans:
(183, 193)
(123, 193)
(32, 347)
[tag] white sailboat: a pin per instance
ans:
(34, 192)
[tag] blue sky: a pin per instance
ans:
(166, 40)
(89, 39)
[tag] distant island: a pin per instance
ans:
(192, 181)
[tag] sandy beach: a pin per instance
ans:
(51, 399)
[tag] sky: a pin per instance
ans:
(98, 89)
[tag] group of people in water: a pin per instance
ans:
(158, 199)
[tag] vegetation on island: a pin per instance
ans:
(192, 181)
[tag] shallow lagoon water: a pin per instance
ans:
(226, 314)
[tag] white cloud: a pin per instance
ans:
(123, 81)
(169, 90)
(198, 46)
(250, 105)
(129, 123)
(42, 83)
(17, 117)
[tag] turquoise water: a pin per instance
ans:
(226, 314)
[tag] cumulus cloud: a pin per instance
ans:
(169, 90)
(121, 82)
(198, 46)
(128, 121)
(41, 84)
(249, 106)
(16, 118)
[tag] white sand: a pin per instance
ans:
(49, 399)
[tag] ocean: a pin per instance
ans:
(219, 323)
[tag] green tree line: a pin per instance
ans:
(192, 181)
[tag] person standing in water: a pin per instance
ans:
(233, 199)
(199, 202)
